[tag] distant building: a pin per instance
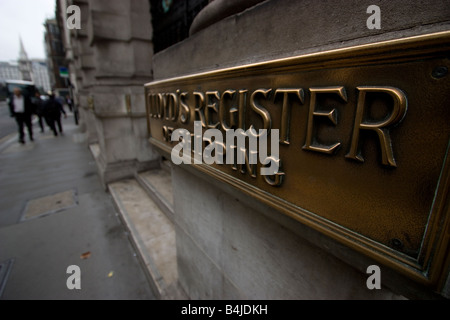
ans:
(35, 70)
(55, 53)
(9, 71)
(24, 63)
(40, 74)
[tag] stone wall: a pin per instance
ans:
(229, 245)
(113, 59)
(285, 28)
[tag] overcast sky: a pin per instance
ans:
(23, 18)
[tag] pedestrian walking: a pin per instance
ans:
(52, 112)
(21, 109)
(61, 100)
(69, 102)
(39, 109)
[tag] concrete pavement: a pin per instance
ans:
(7, 124)
(54, 213)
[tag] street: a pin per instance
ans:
(55, 215)
(7, 124)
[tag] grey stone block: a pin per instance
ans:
(285, 28)
(220, 238)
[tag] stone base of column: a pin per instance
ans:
(111, 172)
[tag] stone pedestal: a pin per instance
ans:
(113, 54)
(230, 246)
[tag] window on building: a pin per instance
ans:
(172, 19)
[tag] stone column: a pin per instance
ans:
(115, 54)
(83, 69)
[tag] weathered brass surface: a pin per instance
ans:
(90, 101)
(364, 138)
(128, 103)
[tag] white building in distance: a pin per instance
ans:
(35, 70)
(9, 70)
(40, 75)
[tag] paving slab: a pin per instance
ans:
(55, 213)
(153, 233)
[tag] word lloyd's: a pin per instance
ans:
(215, 105)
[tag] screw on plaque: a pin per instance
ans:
(396, 243)
(439, 72)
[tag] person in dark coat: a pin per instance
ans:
(21, 109)
(52, 112)
(39, 109)
(69, 102)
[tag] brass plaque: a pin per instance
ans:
(363, 142)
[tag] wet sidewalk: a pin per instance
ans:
(54, 213)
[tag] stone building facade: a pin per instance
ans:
(32, 69)
(9, 71)
(41, 75)
(54, 50)
(211, 239)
